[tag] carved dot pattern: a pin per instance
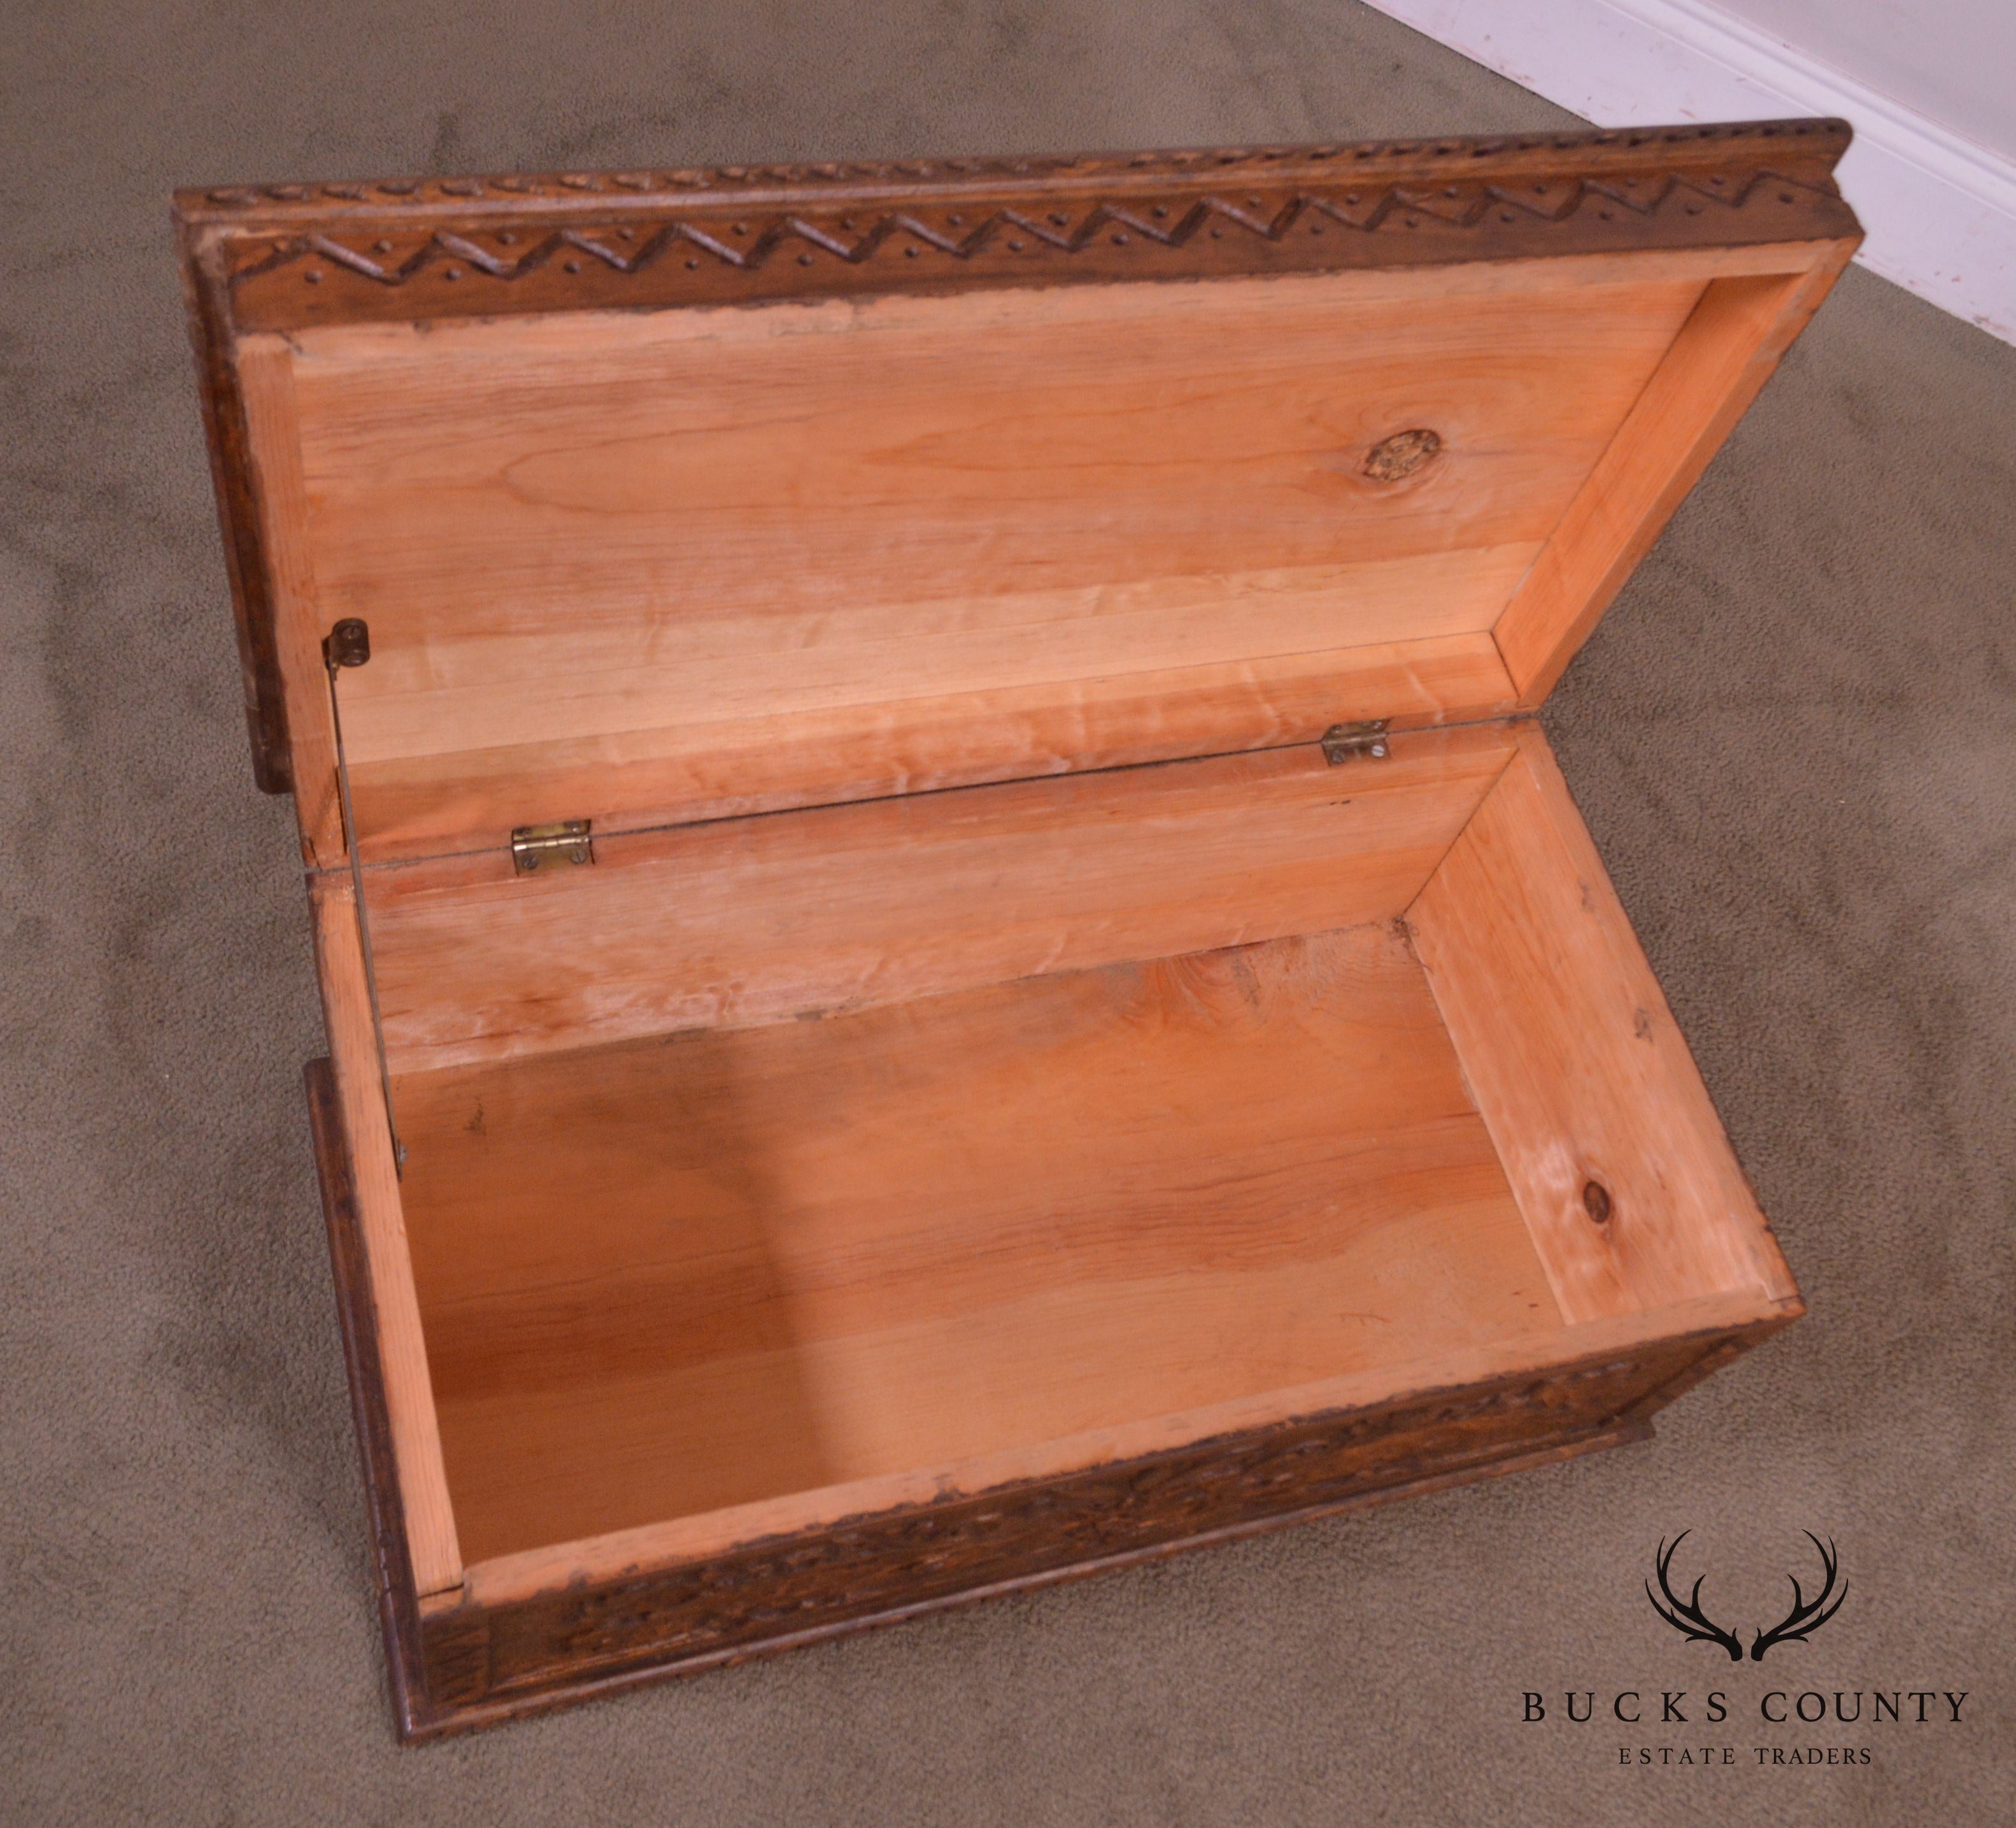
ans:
(521, 185)
(1150, 228)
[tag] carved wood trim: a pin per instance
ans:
(229, 442)
(498, 1706)
(398, 1605)
(294, 256)
(955, 1549)
(1591, 153)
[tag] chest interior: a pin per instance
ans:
(995, 1033)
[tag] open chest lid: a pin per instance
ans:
(669, 494)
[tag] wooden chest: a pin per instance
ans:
(952, 955)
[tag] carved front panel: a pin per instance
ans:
(925, 1554)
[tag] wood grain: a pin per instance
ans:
(1576, 1064)
(766, 919)
(932, 1187)
(489, 1661)
(822, 1251)
(572, 530)
(598, 1616)
(1722, 358)
(772, 763)
(213, 340)
(357, 1314)
(401, 1348)
(502, 1580)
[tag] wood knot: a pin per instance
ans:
(1595, 1201)
(1391, 459)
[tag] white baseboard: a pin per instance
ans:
(1940, 210)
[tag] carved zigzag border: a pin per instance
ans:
(1691, 143)
(1169, 225)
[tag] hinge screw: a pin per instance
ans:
(1341, 742)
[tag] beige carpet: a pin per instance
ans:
(1794, 737)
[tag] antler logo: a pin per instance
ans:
(1806, 1617)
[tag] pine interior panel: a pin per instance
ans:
(763, 920)
(412, 807)
(579, 530)
(1578, 1065)
(1724, 354)
(434, 1553)
(667, 1276)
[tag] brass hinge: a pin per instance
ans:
(1343, 742)
(547, 846)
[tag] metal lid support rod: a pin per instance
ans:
(348, 644)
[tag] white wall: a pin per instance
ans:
(1930, 86)
(1951, 60)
